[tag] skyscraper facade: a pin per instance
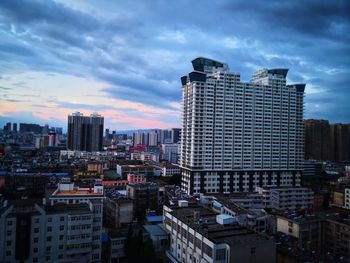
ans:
(7, 127)
(236, 135)
(85, 133)
(139, 138)
(317, 140)
(14, 127)
(340, 142)
(175, 135)
(152, 139)
(327, 142)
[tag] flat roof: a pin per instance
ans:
(76, 192)
(153, 219)
(225, 216)
(206, 225)
(317, 217)
(155, 230)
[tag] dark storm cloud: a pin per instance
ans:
(315, 17)
(47, 12)
(142, 50)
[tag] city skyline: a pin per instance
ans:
(124, 61)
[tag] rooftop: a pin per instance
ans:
(76, 192)
(155, 230)
(207, 226)
(233, 206)
(142, 185)
(336, 217)
(199, 63)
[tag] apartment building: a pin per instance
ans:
(145, 196)
(325, 235)
(236, 135)
(33, 231)
(133, 167)
(85, 133)
(280, 198)
(118, 211)
(68, 193)
(287, 197)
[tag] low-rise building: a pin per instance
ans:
(274, 197)
(117, 240)
(120, 184)
(145, 156)
(324, 236)
(337, 238)
(254, 219)
(158, 236)
(287, 197)
(250, 200)
(305, 230)
(201, 235)
(25, 184)
(169, 169)
(135, 167)
(33, 231)
(95, 166)
(68, 193)
(144, 196)
(118, 211)
(170, 152)
(87, 176)
(136, 178)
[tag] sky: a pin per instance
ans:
(124, 59)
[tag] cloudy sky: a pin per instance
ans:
(124, 59)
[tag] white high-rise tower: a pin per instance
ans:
(236, 135)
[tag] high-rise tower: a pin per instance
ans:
(236, 135)
(85, 133)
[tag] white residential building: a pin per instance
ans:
(69, 194)
(236, 135)
(38, 232)
(152, 139)
(170, 169)
(170, 152)
(287, 197)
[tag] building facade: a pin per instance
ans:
(85, 133)
(287, 197)
(32, 231)
(347, 198)
(317, 140)
(170, 152)
(197, 235)
(326, 236)
(327, 142)
(175, 135)
(67, 193)
(145, 196)
(237, 135)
